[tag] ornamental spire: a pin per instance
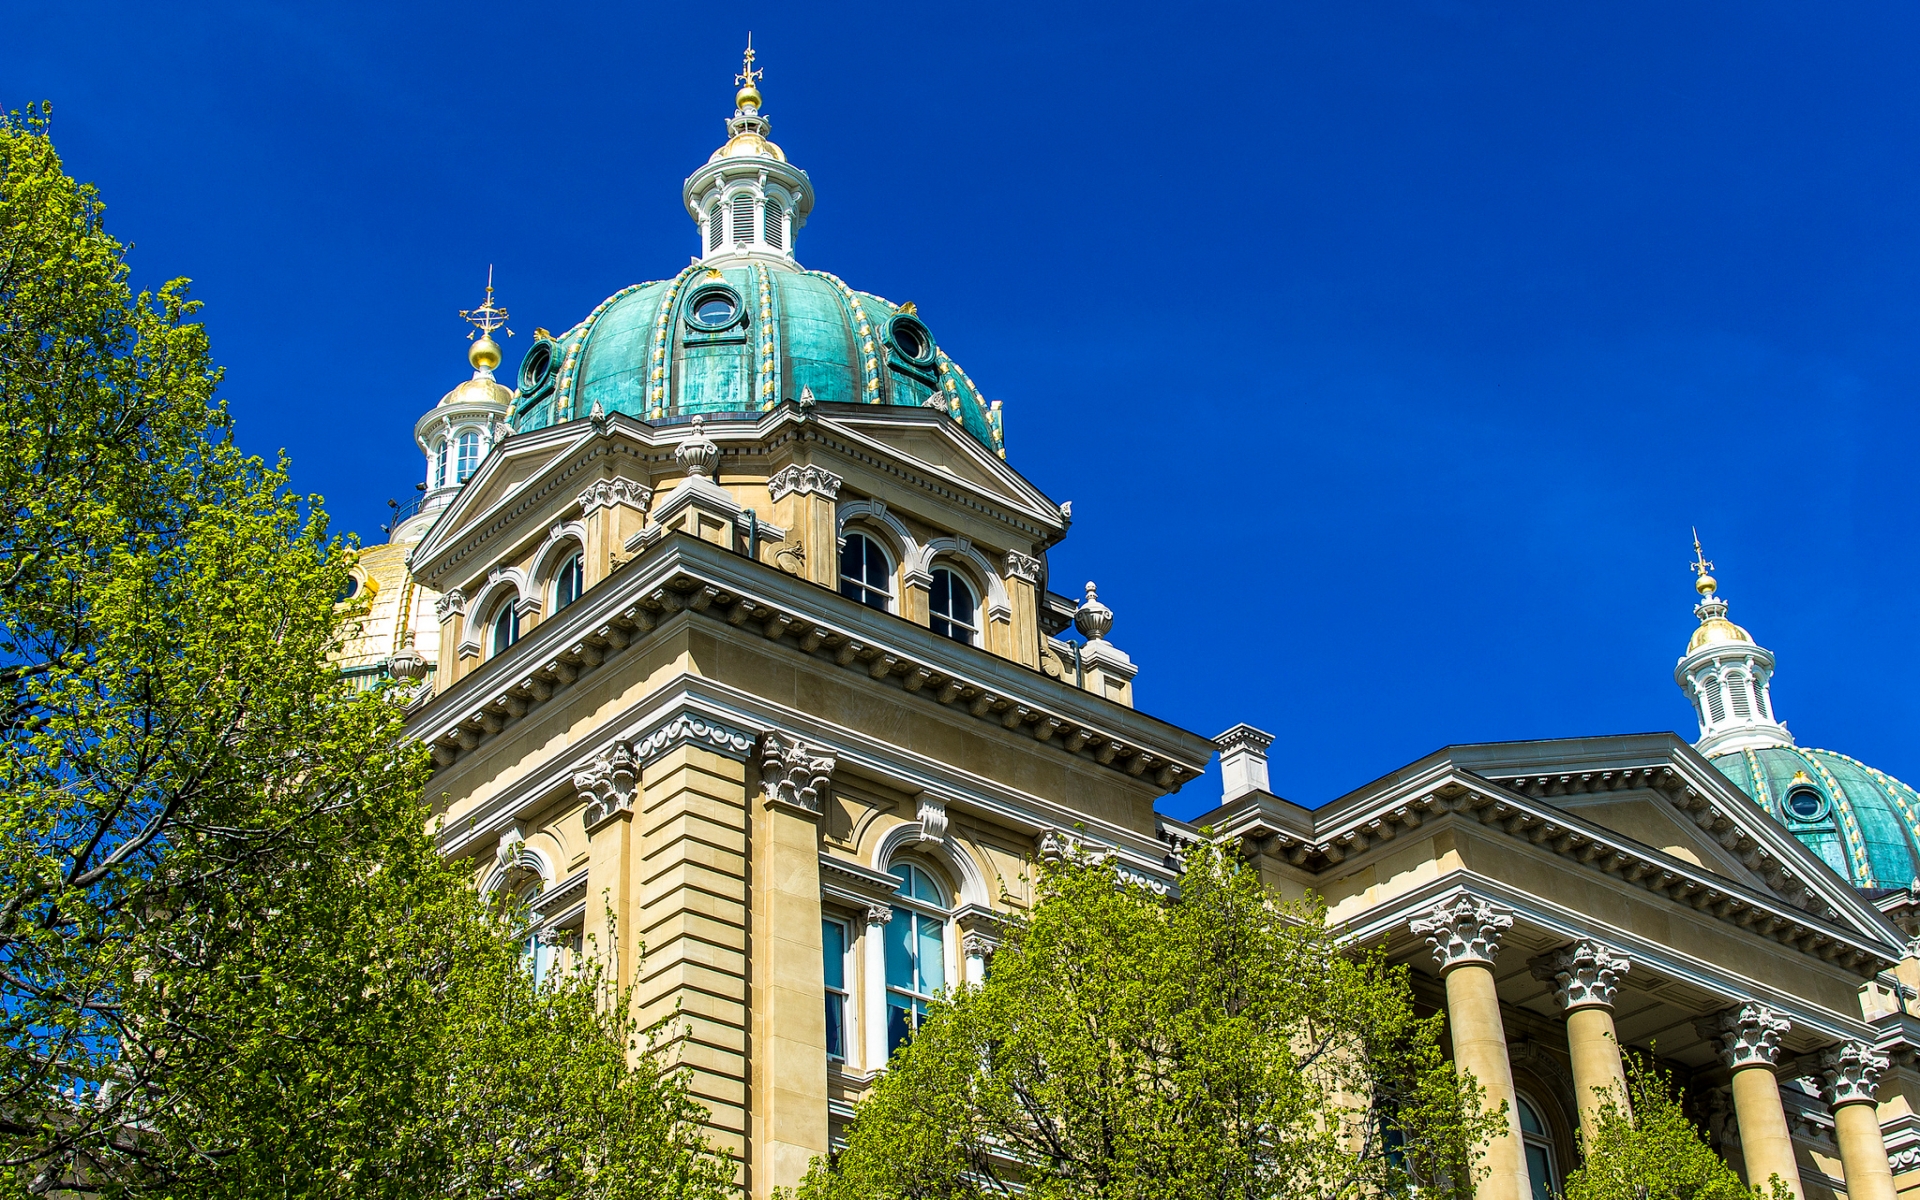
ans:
(484, 354)
(748, 201)
(1726, 674)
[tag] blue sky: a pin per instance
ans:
(1387, 351)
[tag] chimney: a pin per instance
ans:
(1243, 761)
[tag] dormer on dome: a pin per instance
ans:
(748, 201)
(456, 434)
(1727, 675)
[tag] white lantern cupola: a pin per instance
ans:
(456, 434)
(748, 200)
(1727, 675)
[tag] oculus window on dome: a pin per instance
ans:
(911, 339)
(1806, 804)
(536, 369)
(714, 309)
(865, 573)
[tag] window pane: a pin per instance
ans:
(836, 1026)
(1539, 1173)
(899, 1024)
(833, 942)
(900, 949)
(931, 953)
(1529, 1120)
(924, 888)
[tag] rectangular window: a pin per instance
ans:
(833, 943)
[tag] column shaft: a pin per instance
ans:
(1764, 1141)
(1597, 1072)
(1480, 1048)
(1863, 1152)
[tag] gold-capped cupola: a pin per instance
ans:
(748, 200)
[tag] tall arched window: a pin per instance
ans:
(506, 628)
(536, 954)
(865, 573)
(916, 951)
(440, 464)
(468, 444)
(1539, 1146)
(774, 233)
(743, 219)
(568, 583)
(951, 606)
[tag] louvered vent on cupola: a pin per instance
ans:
(775, 218)
(742, 219)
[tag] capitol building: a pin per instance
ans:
(728, 620)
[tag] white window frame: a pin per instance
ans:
(882, 989)
(578, 561)
(973, 594)
(508, 608)
(844, 993)
(892, 591)
(460, 471)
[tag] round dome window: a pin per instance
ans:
(1806, 804)
(715, 308)
(536, 368)
(912, 340)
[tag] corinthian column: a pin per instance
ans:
(1585, 977)
(1748, 1038)
(1852, 1075)
(1464, 932)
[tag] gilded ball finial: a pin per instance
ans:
(1705, 585)
(484, 354)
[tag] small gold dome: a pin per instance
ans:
(1716, 631)
(747, 143)
(484, 354)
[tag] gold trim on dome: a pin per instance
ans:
(1717, 631)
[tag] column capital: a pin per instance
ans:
(1584, 975)
(1463, 928)
(794, 776)
(1746, 1035)
(1851, 1073)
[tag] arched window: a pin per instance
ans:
(506, 628)
(774, 233)
(865, 573)
(916, 951)
(743, 219)
(1539, 1146)
(536, 954)
(440, 464)
(716, 230)
(468, 444)
(952, 607)
(568, 583)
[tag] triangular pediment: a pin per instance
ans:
(506, 473)
(935, 444)
(1650, 819)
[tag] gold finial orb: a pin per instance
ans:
(1705, 585)
(484, 354)
(747, 97)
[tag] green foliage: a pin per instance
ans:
(1124, 1046)
(1651, 1151)
(232, 963)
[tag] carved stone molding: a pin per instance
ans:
(1023, 566)
(879, 914)
(607, 785)
(1584, 975)
(1463, 928)
(805, 481)
(978, 945)
(1851, 1073)
(793, 776)
(454, 602)
(605, 493)
(933, 819)
(1747, 1035)
(694, 729)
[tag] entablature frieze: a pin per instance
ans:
(684, 575)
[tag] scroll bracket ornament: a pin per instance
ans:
(1463, 928)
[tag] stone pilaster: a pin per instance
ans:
(1464, 932)
(1851, 1074)
(1585, 977)
(1748, 1039)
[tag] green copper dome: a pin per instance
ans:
(1862, 822)
(743, 339)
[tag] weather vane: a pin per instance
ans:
(489, 316)
(1699, 565)
(747, 74)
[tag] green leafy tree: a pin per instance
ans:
(1650, 1150)
(1125, 1046)
(231, 961)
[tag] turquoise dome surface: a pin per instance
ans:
(1863, 822)
(743, 339)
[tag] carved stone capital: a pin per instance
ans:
(605, 493)
(1022, 566)
(1462, 929)
(793, 776)
(1851, 1073)
(805, 481)
(607, 784)
(879, 914)
(454, 602)
(978, 945)
(1746, 1035)
(1584, 975)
